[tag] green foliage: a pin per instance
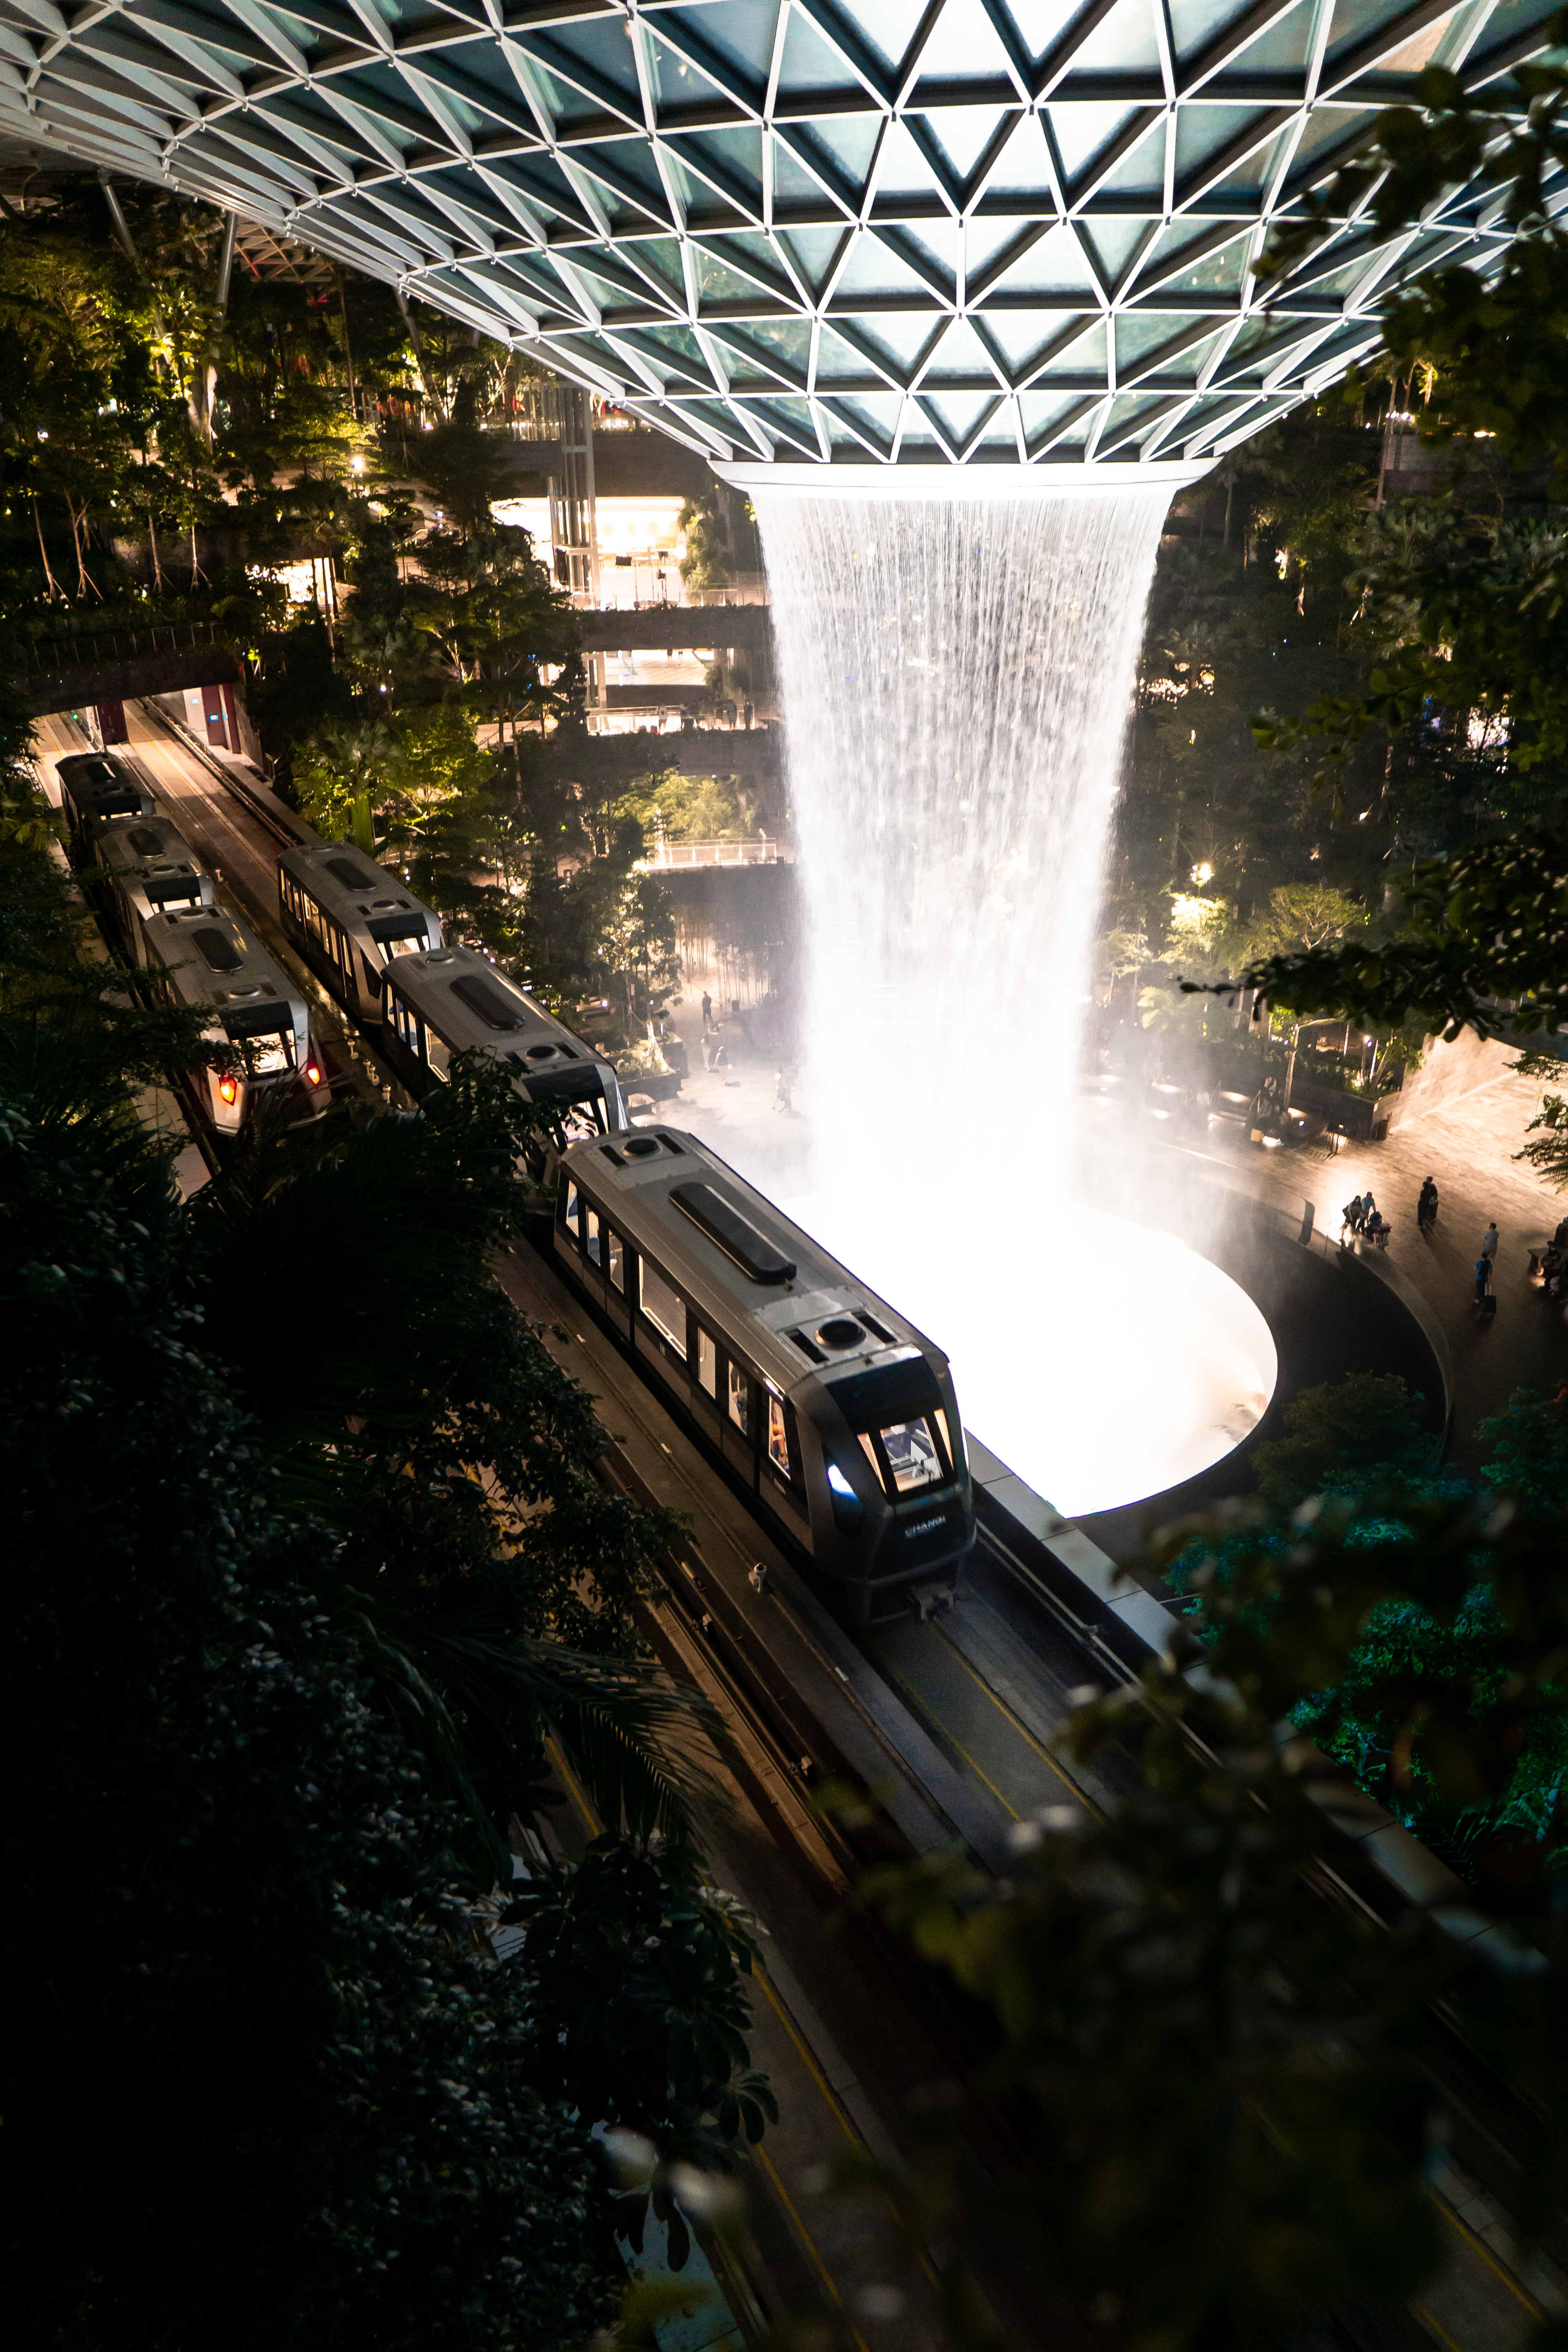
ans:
(640, 1963)
(282, 1633)
(1528, 1449)
(1346, 1437)
(686, 808)
(1484, 944)
(1548, 1155)
(706, 563)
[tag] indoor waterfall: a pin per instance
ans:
(956, 673)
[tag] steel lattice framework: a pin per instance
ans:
(916, 230)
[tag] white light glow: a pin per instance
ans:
(1101, 1362)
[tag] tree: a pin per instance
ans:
(1528, 1456)
(1344, 1438)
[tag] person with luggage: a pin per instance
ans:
(1426, 1207)
(1486, 1299)
(1352, 1213)
(1377, 1230)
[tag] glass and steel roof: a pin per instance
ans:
(936, 231)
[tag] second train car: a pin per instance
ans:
(831, 1412)
(350, 918)
(451, 1001)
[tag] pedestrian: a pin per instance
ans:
(1484, 1298)
(1352, 1215)
(1377, 1230)
(1426, 1206)
(1368, 1211)
(781, 1093)
(707, 1012)
(1490, 1241)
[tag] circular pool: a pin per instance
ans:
(1102, 1360)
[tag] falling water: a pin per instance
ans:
(956, 678)
(957, 675)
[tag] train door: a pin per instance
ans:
(705, 1397)
(741, 1420)
(619, 1276)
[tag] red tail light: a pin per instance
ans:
(313, 1072)
(227, 1089)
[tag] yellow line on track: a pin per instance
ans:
(1438, 2335)
(807, 2241)
(1479, 2246)
(1025, 1733)
(959, 1750)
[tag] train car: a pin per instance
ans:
(350, 918)
(95, 788)
(203, 957)
(147, 870)
(829, 1410)
(448, 1001)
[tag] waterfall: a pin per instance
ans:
(957, 672)
(956, 676)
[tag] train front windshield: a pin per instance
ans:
(911, 1454)
(268, 1050)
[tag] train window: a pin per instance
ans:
(912, 1456)
(438, 1053)
(591, 1233)
(707, 1364)
(740, 1400)
(572, 1217)
(663, 1306)
(948, 1448)
(618, 1262)
(778, 1436)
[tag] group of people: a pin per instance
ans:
(715, 1058)
(1364, 1220)
(1554, 1264)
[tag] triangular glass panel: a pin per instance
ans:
(1084, 356)
(1040, 23)
(1195, 24)
(963, 46)
(1141, 172)
(1219, 272)
(1202, 132)
(1083, 131)
(959, 352)
(602, 48)
(677, 80)
(1113, 244)
(1136, 337)
(901, 169)
(838, 361)
(1414, 55)
(888, 26)
(1122, 42)
(848, 142)
(1024, 169)
(813, 252)
(751, 249)
(809, 63)
(1283, 48)
(660, 258)
(785, 341)
(793, 182)
(1023, 337)
(938, 241)
(731, 160)
(964, 134)
(875, 268)
(1055, 264)
(717, 282)
(960, 411)
(899, 337)
(742, 32)
(984, 240)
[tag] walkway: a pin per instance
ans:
(1467, 1152)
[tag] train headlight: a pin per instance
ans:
(227, 1088)
(839, 1482)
